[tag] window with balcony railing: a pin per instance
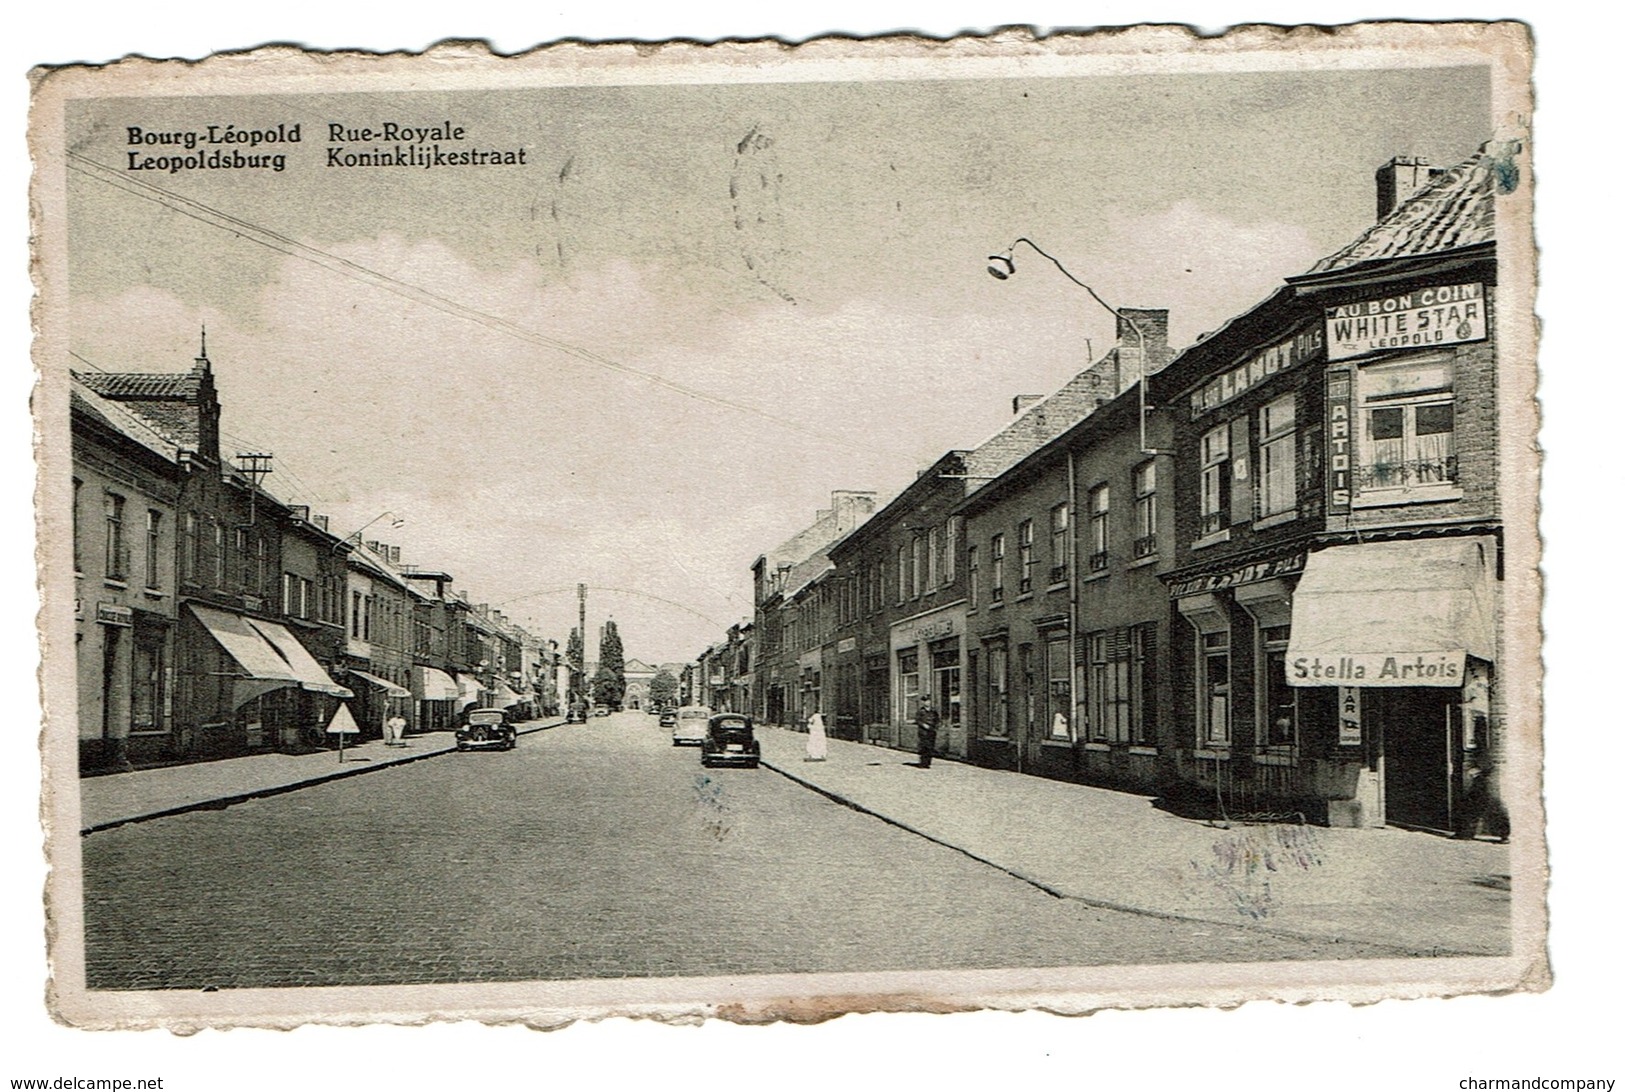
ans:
(1145, 546)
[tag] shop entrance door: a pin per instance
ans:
(1415, 723)
(952, 739)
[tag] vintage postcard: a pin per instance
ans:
(767, 532)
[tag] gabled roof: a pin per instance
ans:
(1455, 210)
(141, 385)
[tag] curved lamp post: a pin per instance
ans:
(395, 521)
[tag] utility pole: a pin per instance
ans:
(253, 465)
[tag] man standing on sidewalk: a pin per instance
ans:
(926, 720)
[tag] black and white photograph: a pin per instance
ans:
(736, 533)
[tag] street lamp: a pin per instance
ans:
(395, 521)
(1003, 266)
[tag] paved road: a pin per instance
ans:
(591, 851)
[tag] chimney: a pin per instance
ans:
(375, 546)
(852, 507)
(1398, 179)
(300, 512)
(319, 521)
(1021, 403)
(1133, 324)
(395, 555)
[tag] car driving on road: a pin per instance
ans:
(486, 728)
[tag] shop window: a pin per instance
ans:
(1277, 451)
(1100, 503)
(146, 686)
(1121, 684)
(1145, 510)
(1277, 702)
(1407, 426)
(1059, 690)
(998, 691)
(1213, 686)
(1029, 690)
(1059, 518)
(1024, 547)
(118, 547)
(996, 547)
(1215, 480)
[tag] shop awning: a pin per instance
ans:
(311, 675)
(468, 691)
(504, 696)
(436, 685)
(260, 668)
(383, 684)
(1402, 613)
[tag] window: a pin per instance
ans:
(1215, 479)
(118, 549)
(1121, 684)
(950, 548)
(997, 549)
(1278, 711)
(1024, 540)
(971, 574)
(1145, 509)
(908, 682)
(1277, 451)
(154, 525)
(1100, 504)
(1408, 425)
(146, 687)
(902, 572)
(1029, 689)
(998, 691)
(1213, 686)
(191, 547)
(77, 564)
(1059, 517)
(244, 556)
(355, 614)
(916, 558)
(218, 532)
(1059, 690)
(262, 571)
(933, 558)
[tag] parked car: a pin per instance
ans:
(577, 713)
(668, 718)
(600, 710)
(483, 728)
(730, 740)
(688, 725)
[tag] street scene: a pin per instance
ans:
(770, 526)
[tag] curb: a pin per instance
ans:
(1107, 904)
(220, 803)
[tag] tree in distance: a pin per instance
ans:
(663, 690)
(607, 690)
(611, 658)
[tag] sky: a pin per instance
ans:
(650, 353)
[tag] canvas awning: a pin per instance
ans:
(1400, 613)
(436, 685)
(383, 684)
(504, 696)
(468, 691)
(312, 676)
(260, 668)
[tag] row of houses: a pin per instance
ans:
(1260, 575)
(212, 619)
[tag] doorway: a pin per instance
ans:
(1421, 740)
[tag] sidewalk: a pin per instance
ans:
(114, 799)
(1416, 893)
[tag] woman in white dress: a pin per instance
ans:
(817, 743)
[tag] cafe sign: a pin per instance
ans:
(1247, 574)
(1376, 669)
(1446, 314)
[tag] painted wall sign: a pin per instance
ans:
(1377, 668)
(1339, 442)
(905, 634)
(1295, 350)
(1247, 574)
(1446, 314)
(847, 644)
(1348, 716)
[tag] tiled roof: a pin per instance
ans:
(140, 385)
(1455, 210)
(121, 420)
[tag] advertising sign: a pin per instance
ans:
(1438, 668)
(1348, 716)
(1446, 314)
(1339, 442)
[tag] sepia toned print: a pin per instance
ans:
(771, 532)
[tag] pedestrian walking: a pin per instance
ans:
(926, 720)
(394, 728)
(817, 741)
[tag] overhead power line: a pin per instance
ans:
(286, 245)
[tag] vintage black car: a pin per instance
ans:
(577, 713)
(668, 718)
(486, 728)
(730, 740)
